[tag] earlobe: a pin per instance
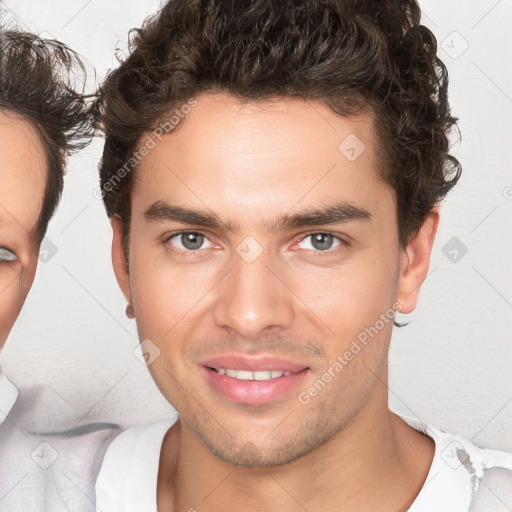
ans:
(415, 261)
(119, 260)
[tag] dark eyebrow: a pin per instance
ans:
(161, 211)
(334, 214)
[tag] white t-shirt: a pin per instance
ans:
(462, 477)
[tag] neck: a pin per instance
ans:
(377, 462)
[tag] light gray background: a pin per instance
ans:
(451, 366)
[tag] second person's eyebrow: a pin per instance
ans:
(162, 211)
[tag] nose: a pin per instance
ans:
(252, 299)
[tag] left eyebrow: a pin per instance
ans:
(334, 214)
(161, 211)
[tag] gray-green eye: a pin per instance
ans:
(6, 255)
(189, 241)
(321, 241)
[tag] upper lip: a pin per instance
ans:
(253, 363)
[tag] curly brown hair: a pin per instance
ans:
(354, 55)
(37, 78)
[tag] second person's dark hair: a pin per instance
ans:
(38, 81)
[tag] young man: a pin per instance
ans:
(43, 119)
(273, 172)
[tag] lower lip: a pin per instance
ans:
(253, 392)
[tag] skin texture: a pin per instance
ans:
(251, 165)
(22, 182)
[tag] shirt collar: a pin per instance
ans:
(448, 485)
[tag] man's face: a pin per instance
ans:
(268, 290)
(22, 183)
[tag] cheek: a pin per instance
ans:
(12, 297)
(166, 298)
(351, 297)
(170, 306)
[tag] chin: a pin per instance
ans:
(248, 454)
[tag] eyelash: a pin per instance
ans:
(343, 243)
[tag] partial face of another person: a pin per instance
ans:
(22, 185)
(258, 253)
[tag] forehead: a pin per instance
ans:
(249, 157)
(22, 174)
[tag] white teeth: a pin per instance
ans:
(264, 375)
(258, 375)
(244, 375)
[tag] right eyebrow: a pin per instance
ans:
(160, 211)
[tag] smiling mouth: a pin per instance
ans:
(267, 383)
(260, 375)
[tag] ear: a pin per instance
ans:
(414, 262)
(119, 259)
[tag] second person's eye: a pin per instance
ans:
(7, 255)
